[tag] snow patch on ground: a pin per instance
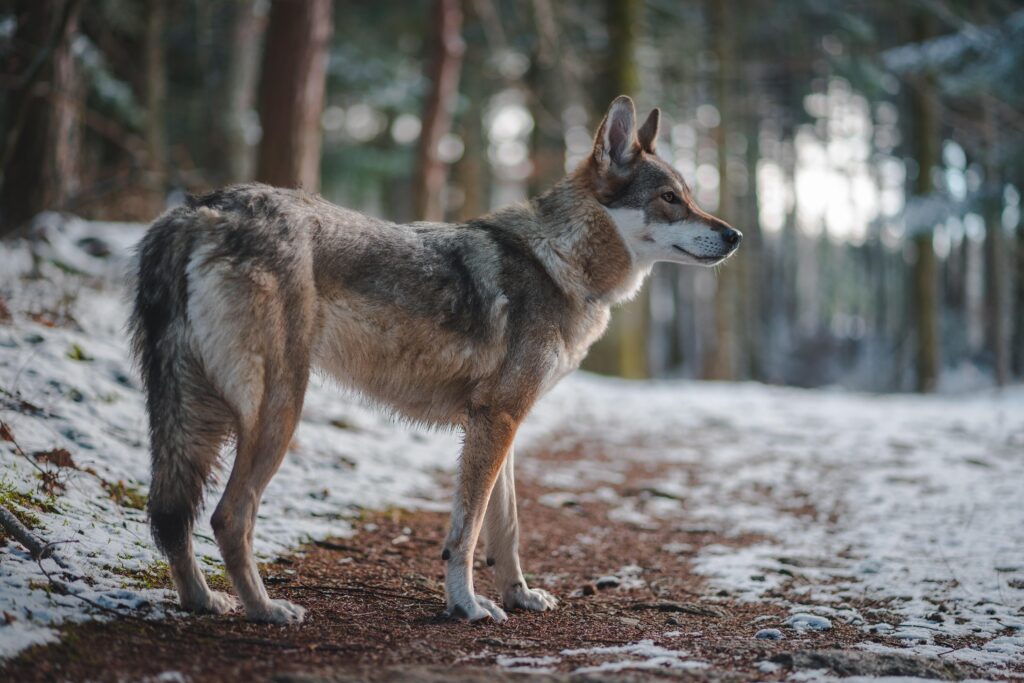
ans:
(71, 386)
(641, 655)
(910, 503)
(807, 622)
(899, 514)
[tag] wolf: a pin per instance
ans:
(241, 292)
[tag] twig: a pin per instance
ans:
(9, 436)
(13, 526)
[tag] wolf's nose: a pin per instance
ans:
(732, 237)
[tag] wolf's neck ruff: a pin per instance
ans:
(578, 241)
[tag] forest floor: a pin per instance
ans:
(631, 605)
(698, 530)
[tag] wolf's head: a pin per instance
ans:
(647, 199)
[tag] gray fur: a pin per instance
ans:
(243, 291)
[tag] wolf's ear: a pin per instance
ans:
(648, 133)
(615, 142)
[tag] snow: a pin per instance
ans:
(650, 656)
(528, 664)
(769, 634)
(807, 622)
(899, 515)
(644, 654)
(344, 456)
(818, 676)
(864, 509)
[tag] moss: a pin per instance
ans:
(22, 505)
(218, 580)
(125, 495)
(76, 353)
(156, 575)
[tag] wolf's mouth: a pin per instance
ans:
(702, 259)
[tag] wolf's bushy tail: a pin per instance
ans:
(159, 327)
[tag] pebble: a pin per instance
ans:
(769, 634)
(808, 622)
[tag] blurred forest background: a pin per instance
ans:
(871, 151)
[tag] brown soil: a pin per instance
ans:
(374, 604)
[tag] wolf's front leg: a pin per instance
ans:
(501, 534)
(488, 438)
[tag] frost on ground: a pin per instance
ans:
(67, 387)
(912, 504)
(644, 654)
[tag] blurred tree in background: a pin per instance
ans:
(872, 152)
(292, 93)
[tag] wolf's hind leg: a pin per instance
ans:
(185, 451)
(260, 452)
(194, 594)
(501, 534)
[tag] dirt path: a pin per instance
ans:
(374, 602)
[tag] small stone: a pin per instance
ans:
(769, 634)
(608, 582)
(628, 621)
(588, 589)
(808, 622)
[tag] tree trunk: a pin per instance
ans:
(156, 98)
(547, 80)
(623, 349)
(249, 24)
(292, 93)
(996, 310)
(924, 285)
(472, 171)
(40, 158)
(443, 69)
(1018, 303)
(720, 361)
(755, 301)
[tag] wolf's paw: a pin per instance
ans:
(214, 602)
(278, 612)
(476, 609)
(534, 599)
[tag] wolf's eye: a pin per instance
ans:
(670, 197)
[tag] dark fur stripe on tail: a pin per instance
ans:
(159, 326)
